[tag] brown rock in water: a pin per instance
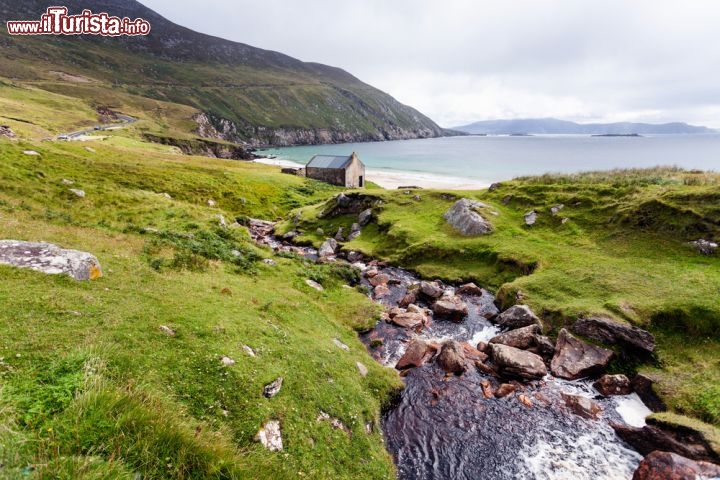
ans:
(517, 316)
(370, 272)
(470, 289)
(525, 400)
(381, 291)
(393, 312)
(613, 385)
(517, 363)
(582, 406)
(431, 289)
(611, 332)
(482, 346)
(472, 353)
(576, 359)
(504, 390)
(452, 308)
(408, 320)
(660, 465)
(409, 299)
(487, 389)
(522, 338)
(452, 357)
(379, 279)
(417, 353)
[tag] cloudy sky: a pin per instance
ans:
(460, 61)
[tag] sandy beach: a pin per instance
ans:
(392, 179)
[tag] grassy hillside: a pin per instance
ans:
(622, 252)
(93, 388)
(251, 95)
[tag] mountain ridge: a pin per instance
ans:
(556, 126)
(262, 97)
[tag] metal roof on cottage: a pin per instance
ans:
(329, 161)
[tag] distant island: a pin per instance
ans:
(555, 126)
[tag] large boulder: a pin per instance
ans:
(611, 332)
(522, 338)
(613, 385)
(517, 316)
(670, 466)
(464, 218)
(576, 359)
(514, 362)
(50, 259)
(452, 357)
(328, 248)
(451, 307)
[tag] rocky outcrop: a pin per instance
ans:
(450, 307)
(576, 359)
(452, 357)
(684, 441)
(464, 218)
(206, 148)
(517, 316)
(513, 362)
(669, 466)
(613, 385)
(611, 332)
(50, 259)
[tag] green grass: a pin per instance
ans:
(622, 253)
(92, 388)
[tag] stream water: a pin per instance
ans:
(444, 427)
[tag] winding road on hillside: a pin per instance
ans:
(124, 121)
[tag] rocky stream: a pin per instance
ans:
(483, 397)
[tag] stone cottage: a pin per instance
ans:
(344, 171)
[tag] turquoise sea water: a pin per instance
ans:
(496, 158)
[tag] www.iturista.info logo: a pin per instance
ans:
(57, 22)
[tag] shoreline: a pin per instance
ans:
(392, 179)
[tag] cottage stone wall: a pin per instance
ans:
(333, 176)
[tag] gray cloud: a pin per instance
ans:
(464, 60)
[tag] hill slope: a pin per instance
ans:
(241, 93)
(555, 126)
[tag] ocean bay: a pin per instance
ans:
(487, 159)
